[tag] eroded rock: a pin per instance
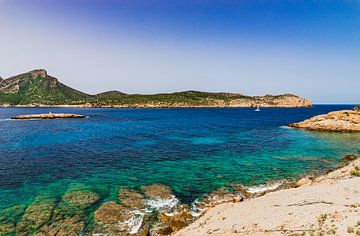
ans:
(303, 181)
(176, 221)
(158, 191)
(66, 227)
(111, 212)
(131, 199)
(81, 198)
(35, 216)
(348, 158)
(7, 229)
(337, 121)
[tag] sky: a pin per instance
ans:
(309, 48)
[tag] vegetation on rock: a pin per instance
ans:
(38, 88)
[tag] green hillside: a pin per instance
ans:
(38, 88)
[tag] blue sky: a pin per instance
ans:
(310, 48)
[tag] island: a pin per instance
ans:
(48, 116)
(38, 89)
(336, 121)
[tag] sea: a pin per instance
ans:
(194, 151)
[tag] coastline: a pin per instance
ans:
(146, 106)
(336, 121)
(328, 203)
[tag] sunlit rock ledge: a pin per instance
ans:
(324, 205)
(337, 121)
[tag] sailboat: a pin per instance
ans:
(258, 108)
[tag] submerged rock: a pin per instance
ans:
(158, 191)
(111, 212)
(35, 216)
(65, 210)
(131, 199)
(7, 229)
(66, 227)
(81, 198)
(11, 214)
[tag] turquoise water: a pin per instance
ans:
(194, 151)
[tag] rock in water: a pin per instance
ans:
(174, 222)
(337, 121)
(131, 199)
(66, 227)
(81, 198)
(157, 191)
(48, 116)
(111, 212)
(348, 158)
(35, 216)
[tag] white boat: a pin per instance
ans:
(257, 108)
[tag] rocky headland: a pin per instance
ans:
(38, 89)
(337, 121)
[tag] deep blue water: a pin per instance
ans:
(194, 151)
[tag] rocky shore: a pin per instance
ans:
(324, 205)
(48, 116)
(337, 121)
(328, 203)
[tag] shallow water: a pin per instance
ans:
(194, 151)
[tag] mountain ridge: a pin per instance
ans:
(37, 88)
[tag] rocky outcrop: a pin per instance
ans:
(337, 121)
(48, 116)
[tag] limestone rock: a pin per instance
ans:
(66, 227)
(131, 199)
(303, 181)
(81, 198)
(7, 229)
(111, 212)
(177, 221)
(35, 216)
(337, 121)
(158, 191)
(350, 157)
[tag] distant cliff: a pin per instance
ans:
(37, 88)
